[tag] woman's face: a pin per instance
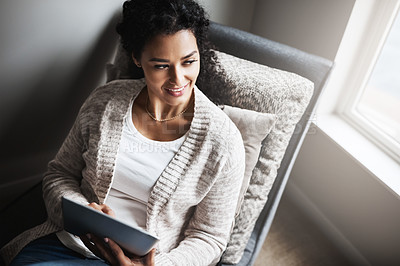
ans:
(171, 64)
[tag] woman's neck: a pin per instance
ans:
(163, 112)
(161, 130)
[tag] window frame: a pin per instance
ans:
(373, 18)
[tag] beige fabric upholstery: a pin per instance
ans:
(263, 89)
(254, 128)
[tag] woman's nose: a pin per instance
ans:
(177, 76)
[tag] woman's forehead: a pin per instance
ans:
(179, 44)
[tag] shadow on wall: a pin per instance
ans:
(51, 60)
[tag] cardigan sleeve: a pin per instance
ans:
(209, 228)
(63, 175)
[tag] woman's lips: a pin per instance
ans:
(176, 91)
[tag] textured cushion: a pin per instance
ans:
(254, 128)
(267, 90)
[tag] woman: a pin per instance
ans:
(154, 152)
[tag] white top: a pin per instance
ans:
(139, 163)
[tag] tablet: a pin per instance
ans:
(80, 219)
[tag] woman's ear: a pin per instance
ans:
(137, 63)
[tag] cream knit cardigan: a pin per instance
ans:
(192, 205)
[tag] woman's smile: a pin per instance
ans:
(176, 92)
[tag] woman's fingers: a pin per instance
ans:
(110, 251)
(99, 248)
(150, 257)
(95, 206)
(102, 208)
(104, 249)
(107, 210)
(122, 259)
(90, 245)
(118, 253)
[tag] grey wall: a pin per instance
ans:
(53, 53)
(234, 13)
(351, 205)
(314, 26)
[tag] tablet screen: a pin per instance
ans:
(80, 219)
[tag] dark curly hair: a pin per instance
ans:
(142, 20)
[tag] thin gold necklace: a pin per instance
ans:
(166, 119)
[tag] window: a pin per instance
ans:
(374, 107)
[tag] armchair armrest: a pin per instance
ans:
(24, 210)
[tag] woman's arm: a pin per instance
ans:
(63, 175)
(210, 226)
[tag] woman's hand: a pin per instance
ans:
(111, 251)
(103, 208)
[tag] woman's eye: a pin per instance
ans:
(189, 62)
(161, 66)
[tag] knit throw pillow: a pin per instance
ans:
(266, 90)
(254, 128)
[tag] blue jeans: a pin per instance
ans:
(48, 251)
